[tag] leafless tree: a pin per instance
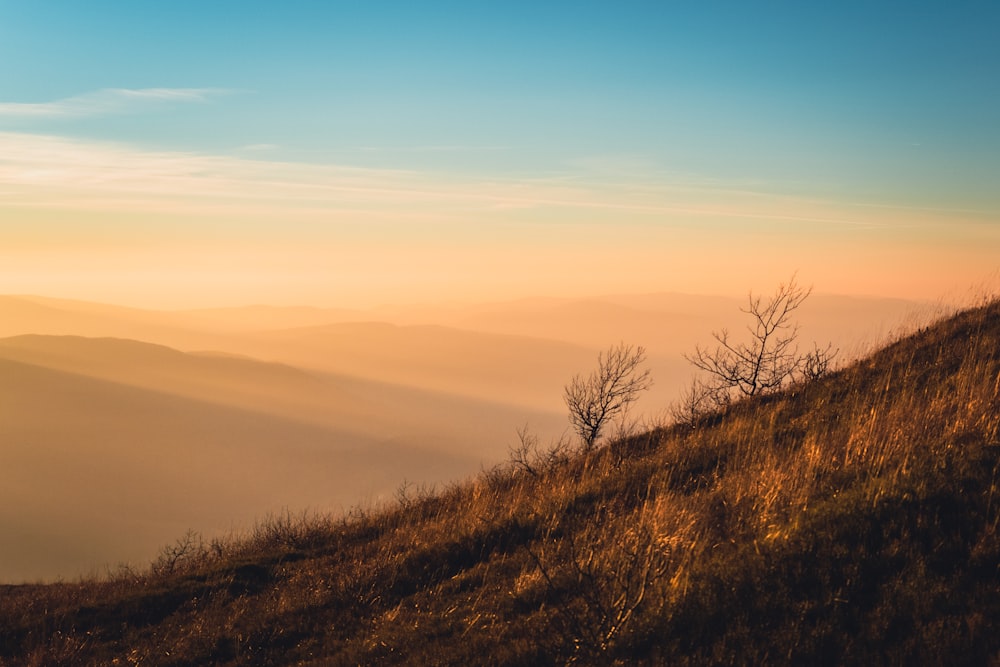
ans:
(816, 363)
(696, 401)
(529, 455)
(769, 358)
(595, 399)
(186, 552)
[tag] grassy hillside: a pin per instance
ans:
(850, 520)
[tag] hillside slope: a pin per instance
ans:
(850, 520)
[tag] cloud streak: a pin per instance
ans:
(78, 215)
(108, 101)
(432, 149)
(38, 171)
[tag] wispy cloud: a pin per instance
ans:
(108, 101)
(260, 147)
(55, 172)
(431, 149)
(129, 218)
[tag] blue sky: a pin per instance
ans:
(875, 104)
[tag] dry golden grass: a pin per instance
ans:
(850, 519)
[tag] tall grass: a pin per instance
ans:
(849, 519)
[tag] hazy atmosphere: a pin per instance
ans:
(260, 257)
(344, 154)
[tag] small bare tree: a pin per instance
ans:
(607, 392)
(186, 552)
(696, 401)
(529, 454)
(816, 363)
(769, 359)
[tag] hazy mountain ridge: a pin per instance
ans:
(518, 352)
(105, 429)
(103, 454)
(848, 520)
(227, 380)
(446, 398)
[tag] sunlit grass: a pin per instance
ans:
(848, 519)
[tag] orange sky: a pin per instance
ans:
(110, 222)
(185, 154)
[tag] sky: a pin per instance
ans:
(333, 153)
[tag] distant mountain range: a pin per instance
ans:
(122, 426)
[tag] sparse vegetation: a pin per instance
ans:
(852, 519)
(763, 363)
(596, 399)
(535, 459)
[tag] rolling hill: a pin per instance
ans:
(849, 520)
(136, 442)
(512, 352)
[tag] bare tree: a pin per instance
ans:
(769, 358)
(187, 552)
(694, 403)
(607, 392)
(816, 363)
(530, 456)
